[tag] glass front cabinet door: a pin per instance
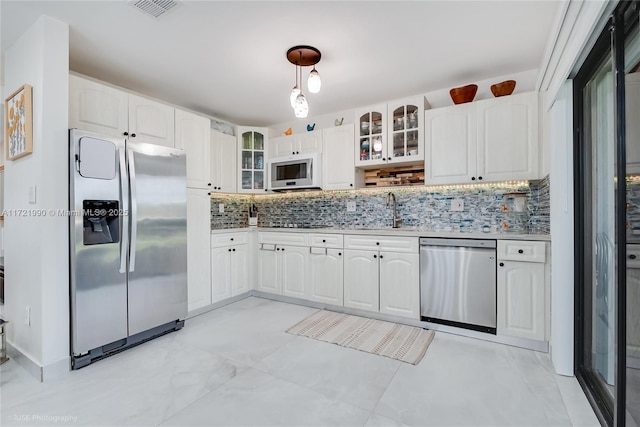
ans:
(371, 135)
(252, 144)
(406, 130)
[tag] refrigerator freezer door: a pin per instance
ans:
(98, 288)
(158, 215)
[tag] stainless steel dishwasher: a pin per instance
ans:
(458, 282)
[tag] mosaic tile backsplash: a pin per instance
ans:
(490, 208)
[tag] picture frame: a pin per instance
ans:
(18, 123)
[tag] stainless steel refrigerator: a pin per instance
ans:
(128, 243)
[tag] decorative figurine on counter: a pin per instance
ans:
(288, 131)
(338, 122)
(310, 127)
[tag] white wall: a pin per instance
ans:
(36, 247)
(562, 259)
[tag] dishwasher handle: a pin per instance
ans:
(458, 243)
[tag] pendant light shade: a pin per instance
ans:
(304, 56)
(301, 108)
(294, 94)
(314, 83)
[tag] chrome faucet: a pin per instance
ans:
(397, 222)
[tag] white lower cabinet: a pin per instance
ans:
(268, 260)
(521, 290)
(198, 260)
(326, 275)
(282, 270)
(229, 267)
(361, 280)
(399, 284)
(385, 280)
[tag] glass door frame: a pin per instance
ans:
(611, 42)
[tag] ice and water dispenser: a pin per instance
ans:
(97, 159)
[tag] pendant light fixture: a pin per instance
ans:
(303, 56)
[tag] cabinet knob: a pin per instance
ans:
(277, 249)
(229, 249)
(324, 241)
(632, 256)
(232, 239)
(234, 249)
(339, 253)
(473, 178)
(266, 189)
(520, 251)
(282, 249)
(208, 194)
(125, 133)
(350, 185)
(133, 135)
(479, 178)
(209, 184)
(375, 256)
(380, 256)
(293, 152)
(501, 264)
(378, 243)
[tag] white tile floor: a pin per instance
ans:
(236, 366)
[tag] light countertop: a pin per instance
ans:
(406, 232)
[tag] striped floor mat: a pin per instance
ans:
(405, 343)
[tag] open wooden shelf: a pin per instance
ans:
(394, 177)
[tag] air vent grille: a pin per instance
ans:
(155, 8)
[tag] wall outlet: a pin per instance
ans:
(351, 206)
(27, 316)
(220, 207)
(457, 205)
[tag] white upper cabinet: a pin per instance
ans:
(632, 103)
(483, 141)
(151, 122)
(390, 134)
(405, 135)
(338, 170)
(252, 150)
(371, 135)
(300, 143)
(508, 137)
(97, 108)
(192, 134)
(224, 150)
(450, 144)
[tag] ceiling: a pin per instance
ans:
(227, 58)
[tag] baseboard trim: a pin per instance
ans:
(26, 362)
(541, 346)
(218, 304)
(41, 373)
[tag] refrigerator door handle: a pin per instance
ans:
(134, 212)
(125, 207)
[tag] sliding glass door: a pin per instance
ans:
(607, 218)
(595, 90)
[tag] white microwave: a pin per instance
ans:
(302, 171)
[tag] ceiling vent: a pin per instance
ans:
(155, 8)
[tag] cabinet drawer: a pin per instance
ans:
(382, 243)
(226, 239)
(516, 250)
(277, 238)
(326, 240)
(633, 256)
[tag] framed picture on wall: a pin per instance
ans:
(18, 124)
